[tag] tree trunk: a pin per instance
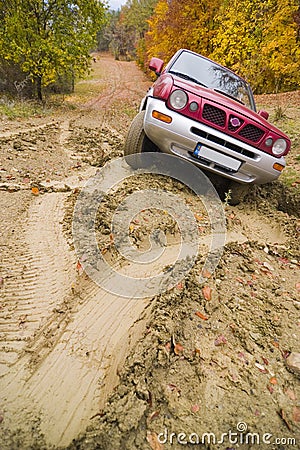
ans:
(39, 88)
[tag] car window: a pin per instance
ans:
(213, 76)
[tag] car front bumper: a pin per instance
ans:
(217, 152)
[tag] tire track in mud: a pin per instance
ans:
(71, 330)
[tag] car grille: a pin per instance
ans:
(251, 133)
(226, 144)
(214, 115)
(218, 117)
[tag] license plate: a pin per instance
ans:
(209, 155)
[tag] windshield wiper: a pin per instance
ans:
(228, 95)
(187, 77)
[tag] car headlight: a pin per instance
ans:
(279, 147)
(178, 99)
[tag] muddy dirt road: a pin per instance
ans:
(80, 364)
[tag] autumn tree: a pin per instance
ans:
(49, 38)
(182, 24)
(258, 39)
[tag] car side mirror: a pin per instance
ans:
(156, 65)
(264, 114)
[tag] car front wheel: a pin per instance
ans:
(137, 141)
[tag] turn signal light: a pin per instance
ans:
(161, 116)
(278, 167)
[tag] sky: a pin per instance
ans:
(116, 4)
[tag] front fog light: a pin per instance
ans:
(279, 147)
(269, 142)
(178, 99)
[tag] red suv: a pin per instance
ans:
(205, 113)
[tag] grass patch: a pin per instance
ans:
(15, 109)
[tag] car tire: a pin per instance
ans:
(238, 192)
(137, 141)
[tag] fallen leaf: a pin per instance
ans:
(154, 415)
(268, 266)
(206, 273)
(35, 191)
(275, 343)
(197, 351)
(78, 266)
(173, 388)
(291, 394)
(195, 408)
(298, 287)
(221, 340)
(282, 415)
(266, 362)
(168, 347)
(261, 368)
(240, 280)
(179, 286)
(207, 292)
(178, 348)
(153, 441)
(270, 389)
(296, 414)
(273, 380)
(202, 316)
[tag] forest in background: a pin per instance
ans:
(259, 39)
(45, 45)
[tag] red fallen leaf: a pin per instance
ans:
(266, 362)
(270, 389)
(179, 286)
(78, 266)
(298, 287)
(153, 441)
(202, 316)
(221, 340)
(207, 292)
(178, 348)
(273, 380)
(290, 394)
(285, 353)
(206, 273)
(154, 415)
(240, 280)
(195, 408)
(296, 414)
(282, 415)
(284, 260)
(35, 191)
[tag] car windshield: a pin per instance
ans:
(211, 75)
